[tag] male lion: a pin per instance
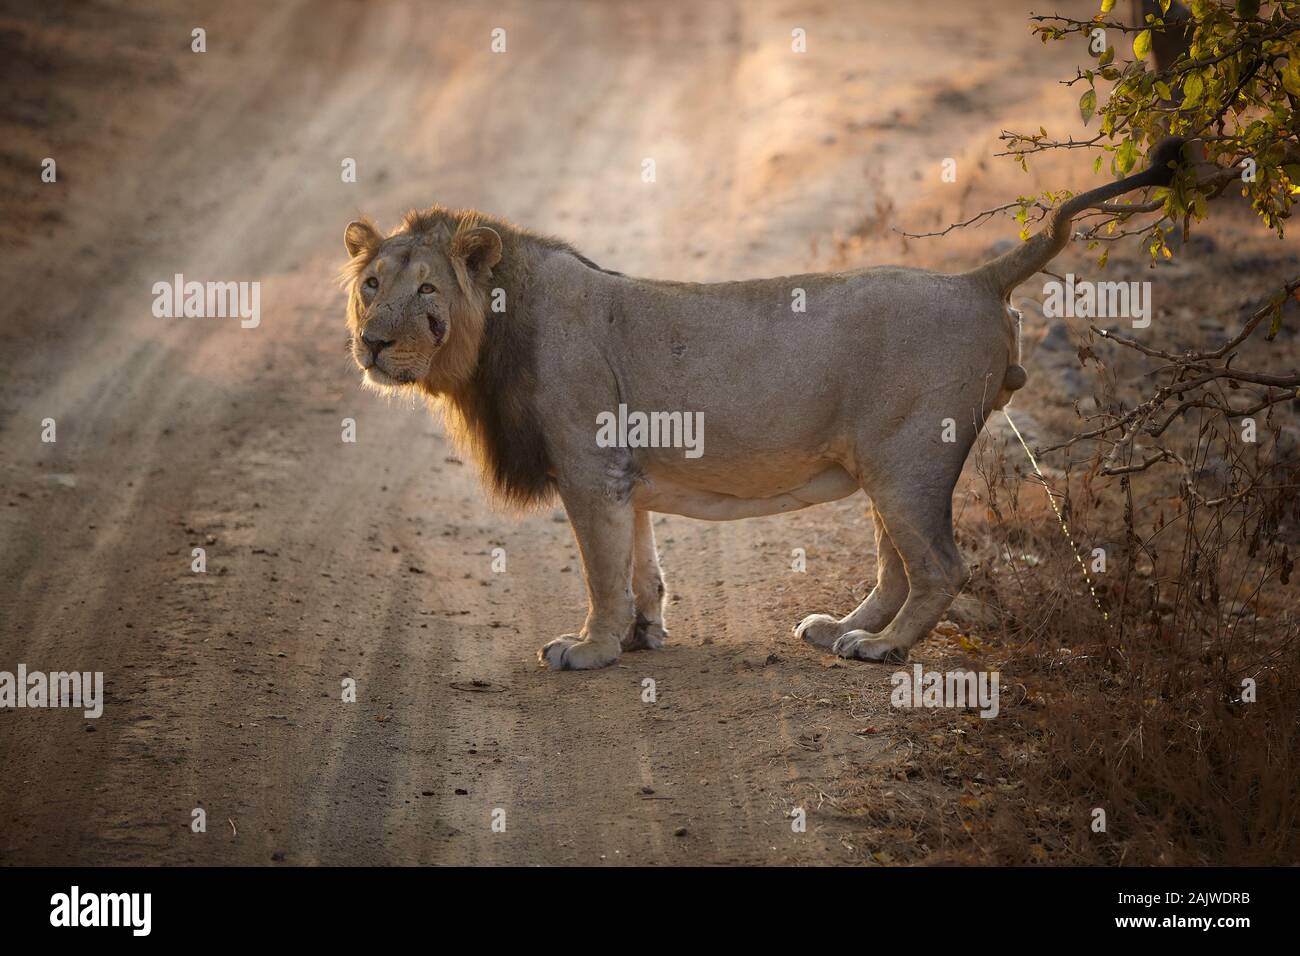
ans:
(883, 384)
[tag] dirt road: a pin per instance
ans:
(372, 560)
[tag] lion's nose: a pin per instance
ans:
(376, 345)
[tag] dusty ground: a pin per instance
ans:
(372, 560)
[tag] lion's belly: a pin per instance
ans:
(671, 495)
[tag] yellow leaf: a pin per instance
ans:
(1088, 105)
(1291, 78)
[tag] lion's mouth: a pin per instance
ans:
(377, 376)
(438, 328)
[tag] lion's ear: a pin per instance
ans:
(360, 236)
(479, 249)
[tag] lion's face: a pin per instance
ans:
(404, 311)
(415, 314)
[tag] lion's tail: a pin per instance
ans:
(1009, 270)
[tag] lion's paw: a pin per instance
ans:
(571, 654)
(820, 629)
(646, 636)
(865, 646)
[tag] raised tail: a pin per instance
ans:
(1009, 270)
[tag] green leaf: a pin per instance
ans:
(1088, 105)
(1142, 44)
(1193, 87)
(1107, 55)
(1126, 156)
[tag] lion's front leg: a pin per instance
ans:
(604, 530)
(648, 591)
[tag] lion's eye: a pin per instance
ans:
(372, 283)
(426, 289)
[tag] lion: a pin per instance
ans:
(881, 384)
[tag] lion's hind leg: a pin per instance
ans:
(915, 504)
(880, 606)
